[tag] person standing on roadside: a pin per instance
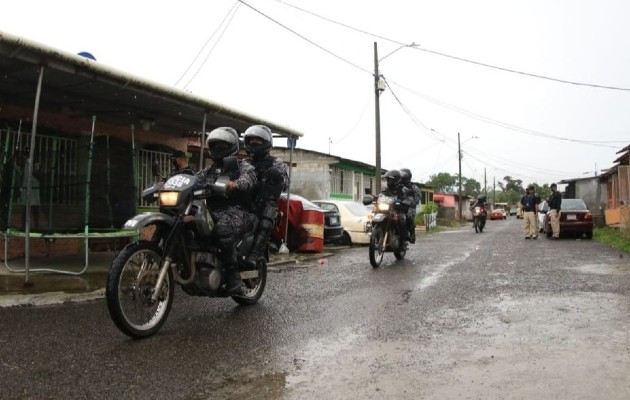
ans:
(555, 201)
(529, 203)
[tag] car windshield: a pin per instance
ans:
(357, 209)
(327, 206)
(573, 204)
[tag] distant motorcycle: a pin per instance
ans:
(182, 250)
(479, 218)
(386, 235)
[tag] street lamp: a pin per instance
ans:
(459, 160)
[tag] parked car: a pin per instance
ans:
(575, 219)
(543, 209)
(498, 213)
(305, 224)
(355, 219)
(513, 211)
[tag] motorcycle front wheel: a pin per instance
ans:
(130, 285)
(377, 248)
(253, 288)
(476, 224)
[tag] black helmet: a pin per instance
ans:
(393, 179)
(222, 142)
(481, 197)
(261, 132)
(405, 175)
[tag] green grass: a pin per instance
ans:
(616, 238)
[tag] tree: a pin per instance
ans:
(442, 181)
(470, 187)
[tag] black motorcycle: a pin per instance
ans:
(385, 235)
(178, 247)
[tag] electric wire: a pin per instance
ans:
(194, 60)
(419, 48)
(225, 27)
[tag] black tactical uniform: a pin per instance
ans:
(411, 191)
(229, 211)
(272, 179)
(396, 189)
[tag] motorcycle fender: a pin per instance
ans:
(147, 218)
(378, 218)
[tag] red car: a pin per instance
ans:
(575, 219)
(498, 213)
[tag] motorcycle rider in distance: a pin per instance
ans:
(230, 212)
(481, 202)
(272, 179)
(396, 189)
(413, 191)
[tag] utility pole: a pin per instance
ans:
(485, 183)
(377, 114)
(459, 190)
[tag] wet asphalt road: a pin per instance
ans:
(465, 315)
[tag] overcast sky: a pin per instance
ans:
(538, 90)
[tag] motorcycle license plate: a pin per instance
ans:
(571, 217)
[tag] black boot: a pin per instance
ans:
(258, 249)
(233, 282)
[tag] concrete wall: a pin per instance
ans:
(310, 175)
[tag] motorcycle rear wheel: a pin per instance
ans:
(130, 284)
(377, 248)
(253, 288)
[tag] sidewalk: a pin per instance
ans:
(48, 287)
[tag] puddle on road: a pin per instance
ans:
(602, 269)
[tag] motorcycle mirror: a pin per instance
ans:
(368, 199)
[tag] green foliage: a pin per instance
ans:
(442, 181)
(616, 238)
(428, 208)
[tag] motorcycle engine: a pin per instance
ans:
(208, 277)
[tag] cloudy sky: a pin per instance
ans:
(538, 90)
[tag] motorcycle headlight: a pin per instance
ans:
(383, 206)
(168, 199)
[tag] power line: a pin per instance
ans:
(231, 12)
(418, 47)
(306, 39)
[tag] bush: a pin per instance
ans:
(429, 208)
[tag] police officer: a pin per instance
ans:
(412, 191)
(229, 211)
(395, 188)
(272, 179)
(179, 164)
(529, 203)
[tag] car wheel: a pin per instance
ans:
(344, 240)
(589, 235)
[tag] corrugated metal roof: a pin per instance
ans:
(78, 86)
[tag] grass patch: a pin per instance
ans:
(616, 238)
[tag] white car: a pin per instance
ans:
(543, 209)
(355, 220)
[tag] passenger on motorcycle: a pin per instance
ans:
(481, 202)
(230, 212)
(272, 179)
(413, 191)
(396, 189)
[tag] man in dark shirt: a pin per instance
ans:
(555, 200)
(529, 203)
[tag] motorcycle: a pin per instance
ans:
(181, 250)
(479, 218)
(385, 235)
